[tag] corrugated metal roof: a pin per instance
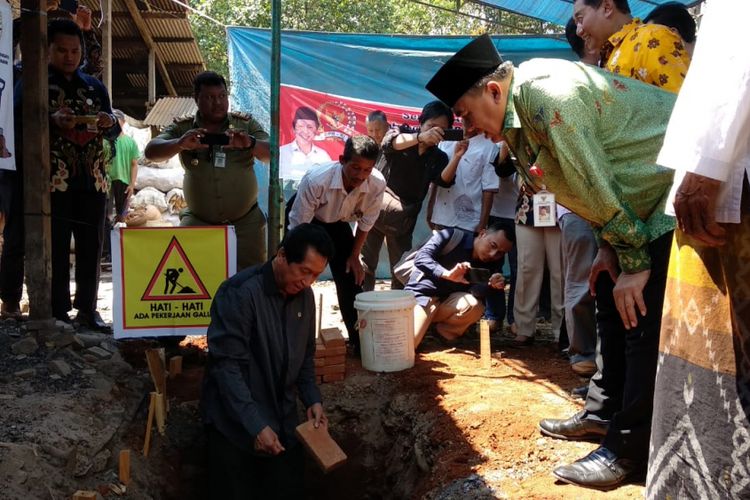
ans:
(169, 28)
(167, 109)
(167, 24)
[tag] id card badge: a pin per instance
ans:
(545, 209)
(220, 159)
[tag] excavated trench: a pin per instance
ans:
(381, 428)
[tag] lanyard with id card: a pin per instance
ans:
(220, 157)
(545, 209)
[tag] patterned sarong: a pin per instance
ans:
(700, 438)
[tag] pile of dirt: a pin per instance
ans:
(66, 397)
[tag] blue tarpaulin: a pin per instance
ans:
(559, 11)
(388, 69)
(385, 68)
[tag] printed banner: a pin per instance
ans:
(7, 143)
(314, 126)
(164, 278)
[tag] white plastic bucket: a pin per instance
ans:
(386, 329)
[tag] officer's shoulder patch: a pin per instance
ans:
(183, 118)
(241, 116)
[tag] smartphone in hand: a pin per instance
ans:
(215, 139)
(478, 276)
(453, 134)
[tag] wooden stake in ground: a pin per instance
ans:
(175, 366)
(320, 316)
(161, 414)
(149, 423)
(485, 350)
(156, 367)
(124, 466)
(84, 495)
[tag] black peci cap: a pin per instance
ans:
(474, 61)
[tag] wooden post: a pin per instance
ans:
(124, 466)
(175, 366)
(149, 423)
(36, 175)
(151, 77)
(485, 350)
(107, 46)
(320, 316)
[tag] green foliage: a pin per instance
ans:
(354, 16)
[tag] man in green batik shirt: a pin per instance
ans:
(220, 184)
(591, 138)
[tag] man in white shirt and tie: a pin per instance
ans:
(334, 195)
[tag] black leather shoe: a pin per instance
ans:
(600, 469)
(574, 428)
(92, 321)
(10, 310)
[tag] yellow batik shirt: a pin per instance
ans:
(651, 53)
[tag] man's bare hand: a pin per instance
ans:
(268, 442)
(238, 139)
(605, 261)
(628, 293)
(83, 17)
(354, 265)
(461, 148)
(64, 118)
(191, 140)
(130, 190)
(497, 281)
(695, 208)
(457, 273)
(316, 413)
(431, 137)
(104, 120)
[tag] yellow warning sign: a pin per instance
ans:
(176, 285)
(165, 278)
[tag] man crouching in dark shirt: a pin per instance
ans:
(261, 344)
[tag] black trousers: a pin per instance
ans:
(12, 260)
(80, 214)
(346, 289)
(622, 391)
(118, 191)
(235, 474)
(117, 201)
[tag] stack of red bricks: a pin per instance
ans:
(330, 356)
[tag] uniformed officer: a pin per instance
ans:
(217, 150)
